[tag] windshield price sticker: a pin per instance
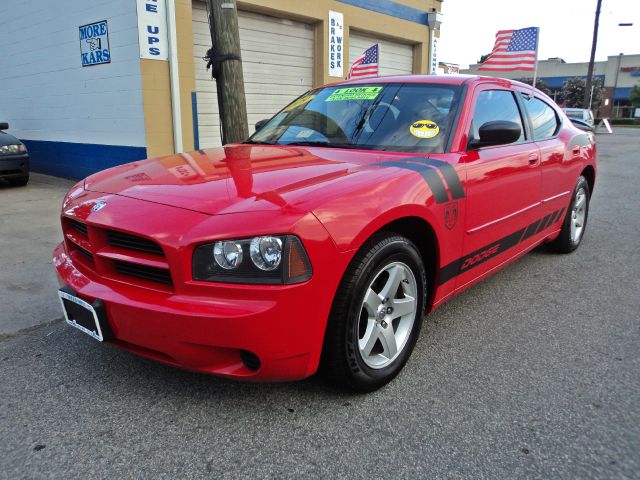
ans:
(354, 93)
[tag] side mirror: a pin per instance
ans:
(497, 132)
(4, 126)
(261, 123)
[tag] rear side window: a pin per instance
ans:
(543, 118)
(492, 105)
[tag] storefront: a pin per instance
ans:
(120, 80)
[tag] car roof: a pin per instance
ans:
(435, 79)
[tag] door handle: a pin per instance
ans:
(533, 159)
(576, 149)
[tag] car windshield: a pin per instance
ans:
(406, 117)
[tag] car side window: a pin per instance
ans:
(492, 105)
(543, 118)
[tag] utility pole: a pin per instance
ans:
(224, 58)
(587, 87)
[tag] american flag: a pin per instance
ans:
(366, 64)
(514, 50)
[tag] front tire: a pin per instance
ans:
(575, 221)
(376, 315)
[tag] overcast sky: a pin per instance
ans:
(566, 27)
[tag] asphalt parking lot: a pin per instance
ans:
(534, 373)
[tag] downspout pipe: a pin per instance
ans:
(174, 76)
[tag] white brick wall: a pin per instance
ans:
(46, 94)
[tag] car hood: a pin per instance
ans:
(6, 139)
(239, 178)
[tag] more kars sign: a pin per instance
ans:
(152, 29)
(336, 44)
(94, 44)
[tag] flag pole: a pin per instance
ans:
(535, 70)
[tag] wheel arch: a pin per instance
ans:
(589, 173)
(421, 232)
(423, 236)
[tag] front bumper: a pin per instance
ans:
(14, 165)
(209, 328)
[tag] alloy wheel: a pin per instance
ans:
(387, 315)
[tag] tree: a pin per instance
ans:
(484, 57)
(540, 85)
(634, 96)
(573, 93)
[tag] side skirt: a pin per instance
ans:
(490, 272)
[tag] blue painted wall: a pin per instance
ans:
(74, 119)
(78, 160)
(391, 8)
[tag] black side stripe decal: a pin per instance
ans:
(448, 172)
(474, 259)
(531, 229)
(430, 176)
(543, 223)
(558, 217)
(457, 267)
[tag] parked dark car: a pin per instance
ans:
(14, 159)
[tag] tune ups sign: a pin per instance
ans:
(94, 44)
(152, 29)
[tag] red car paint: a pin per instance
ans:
(513, 198)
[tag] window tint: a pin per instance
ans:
(493, 105)
(543, 118)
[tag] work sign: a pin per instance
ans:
(94, 44)
(336, 44)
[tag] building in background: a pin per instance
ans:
(618, 75)
(445, 68)
(92, 85)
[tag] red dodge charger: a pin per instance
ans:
(322, 240)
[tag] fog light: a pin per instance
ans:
(228, 255)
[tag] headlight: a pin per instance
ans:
(268, 259)
(12, 149)
(227, 255)
(266, 252)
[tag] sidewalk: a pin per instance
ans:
(29, 231)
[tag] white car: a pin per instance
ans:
(583, 114)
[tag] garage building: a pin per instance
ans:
(87, 87)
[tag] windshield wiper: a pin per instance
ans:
(321, 143)
(257, 142)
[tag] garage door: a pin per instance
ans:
(277, 62)
(395, 58)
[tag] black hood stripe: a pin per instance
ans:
(430, 176)
(427, 168)
(448, 172)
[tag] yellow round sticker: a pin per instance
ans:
(424, 129)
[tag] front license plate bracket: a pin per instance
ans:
(89, 318)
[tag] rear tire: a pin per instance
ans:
(376, 315)
(575, 220)
(19, 181)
